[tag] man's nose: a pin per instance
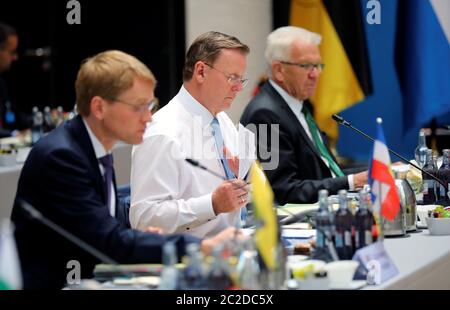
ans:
(148, 116)
(238, 87)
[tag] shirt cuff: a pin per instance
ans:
(202, 206)
(351, 183)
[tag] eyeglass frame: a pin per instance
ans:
(141, 109)
(306, 66)
(230, 77)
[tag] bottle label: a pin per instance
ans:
(339, 241)
(319, 239)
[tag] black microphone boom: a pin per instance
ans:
(195, 163)
(340, 120)
(35, 214)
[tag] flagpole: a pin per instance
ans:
(381, 232)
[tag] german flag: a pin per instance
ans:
(346, 79)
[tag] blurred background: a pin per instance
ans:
(157, 32)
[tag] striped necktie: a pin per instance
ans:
(319, 143)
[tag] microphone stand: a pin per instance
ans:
(35, 214)
(341, 121)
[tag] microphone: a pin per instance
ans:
(35, 214)
(291, 218)
(341, 121)
(295, 217)
(195, 163)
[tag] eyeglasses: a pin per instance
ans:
(233, 80)
(152, 106)
(307, 66)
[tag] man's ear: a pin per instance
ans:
(277, 71)
(199, 71)
(98, 107)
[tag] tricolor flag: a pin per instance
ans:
(10, 273)
(381, 180)
(423, 60)
(346, 79)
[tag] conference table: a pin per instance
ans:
(9, 177)
(423, 260)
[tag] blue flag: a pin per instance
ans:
(423, 60)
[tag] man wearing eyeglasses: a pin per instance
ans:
(69, 177)
(168, 192)
(304, 164)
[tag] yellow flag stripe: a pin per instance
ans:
(267, 233)
(338, 87)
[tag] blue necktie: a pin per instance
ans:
(229, 174)
(107, 163)
(219, 144)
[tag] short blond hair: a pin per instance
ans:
(107, 75)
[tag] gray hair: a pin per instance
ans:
(279, 42)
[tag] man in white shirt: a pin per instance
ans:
(168, 192)
(304, 164)
(69, 178)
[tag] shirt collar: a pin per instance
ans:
(195, 108)
(99, 149)
(293, 103)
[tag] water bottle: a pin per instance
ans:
(429, 184)
(324, 228)
(10, 116)
(48, 121)
(343, 228)
(364, 221)
(37, 127)
(169, 274)
(194, 274)
(421, 150)
(444, 175)
(218, 277)
(59, 116)
(247, 268)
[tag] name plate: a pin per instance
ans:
(379, 266)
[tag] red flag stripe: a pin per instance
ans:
(391, 203)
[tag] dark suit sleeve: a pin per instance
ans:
(286, 168)
(75, 204)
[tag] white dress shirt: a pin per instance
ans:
(296, 107)
(100, 151)
(168, 192)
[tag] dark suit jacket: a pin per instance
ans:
(300, 172)
(62, 179)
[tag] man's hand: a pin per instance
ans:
(229, 196)
(360, 179)
(229, 233)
